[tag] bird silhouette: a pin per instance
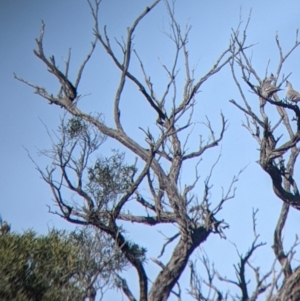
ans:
(291, 94)
(4, 228)
(267, 89)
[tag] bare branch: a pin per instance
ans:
(122, 283)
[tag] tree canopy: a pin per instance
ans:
(58, 266)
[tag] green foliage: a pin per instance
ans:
(58, 266)
(75, 127)
(97, 254)
(109, 177)
(137, 251)
(39, 267)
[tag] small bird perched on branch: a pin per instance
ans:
(267, 89)
(291, 94)
(4, 228)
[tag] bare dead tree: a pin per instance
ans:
(212, 281)
(278, 160)
(104, 188)
(276, 157)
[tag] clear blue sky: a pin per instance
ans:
(24, 195)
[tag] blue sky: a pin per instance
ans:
(24, 195)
